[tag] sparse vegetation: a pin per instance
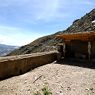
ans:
(44, 91)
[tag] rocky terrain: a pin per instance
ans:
(49, 42)
(61, 79)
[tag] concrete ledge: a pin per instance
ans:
(16, 65)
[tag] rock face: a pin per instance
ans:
(48, 43)
(85, 23)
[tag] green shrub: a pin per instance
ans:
(45, 91)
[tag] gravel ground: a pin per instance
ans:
(61, 80)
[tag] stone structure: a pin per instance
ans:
(16, 65)
(78, 45)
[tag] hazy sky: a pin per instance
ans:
(22, 21)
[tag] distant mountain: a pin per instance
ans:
(5, 49)
(48, 43)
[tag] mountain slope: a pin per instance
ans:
(5, 49)
(83, 24)
(48, 43)
(42, 44)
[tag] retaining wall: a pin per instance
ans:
(16, 65)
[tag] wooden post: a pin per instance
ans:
(89, 50)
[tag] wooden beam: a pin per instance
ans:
(85, 36)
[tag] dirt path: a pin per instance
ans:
(61, 79)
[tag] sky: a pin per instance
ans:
(22, 21)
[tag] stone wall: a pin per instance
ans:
(16, 65)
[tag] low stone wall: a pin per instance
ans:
(16, 65)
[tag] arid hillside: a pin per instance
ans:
(49, 42)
